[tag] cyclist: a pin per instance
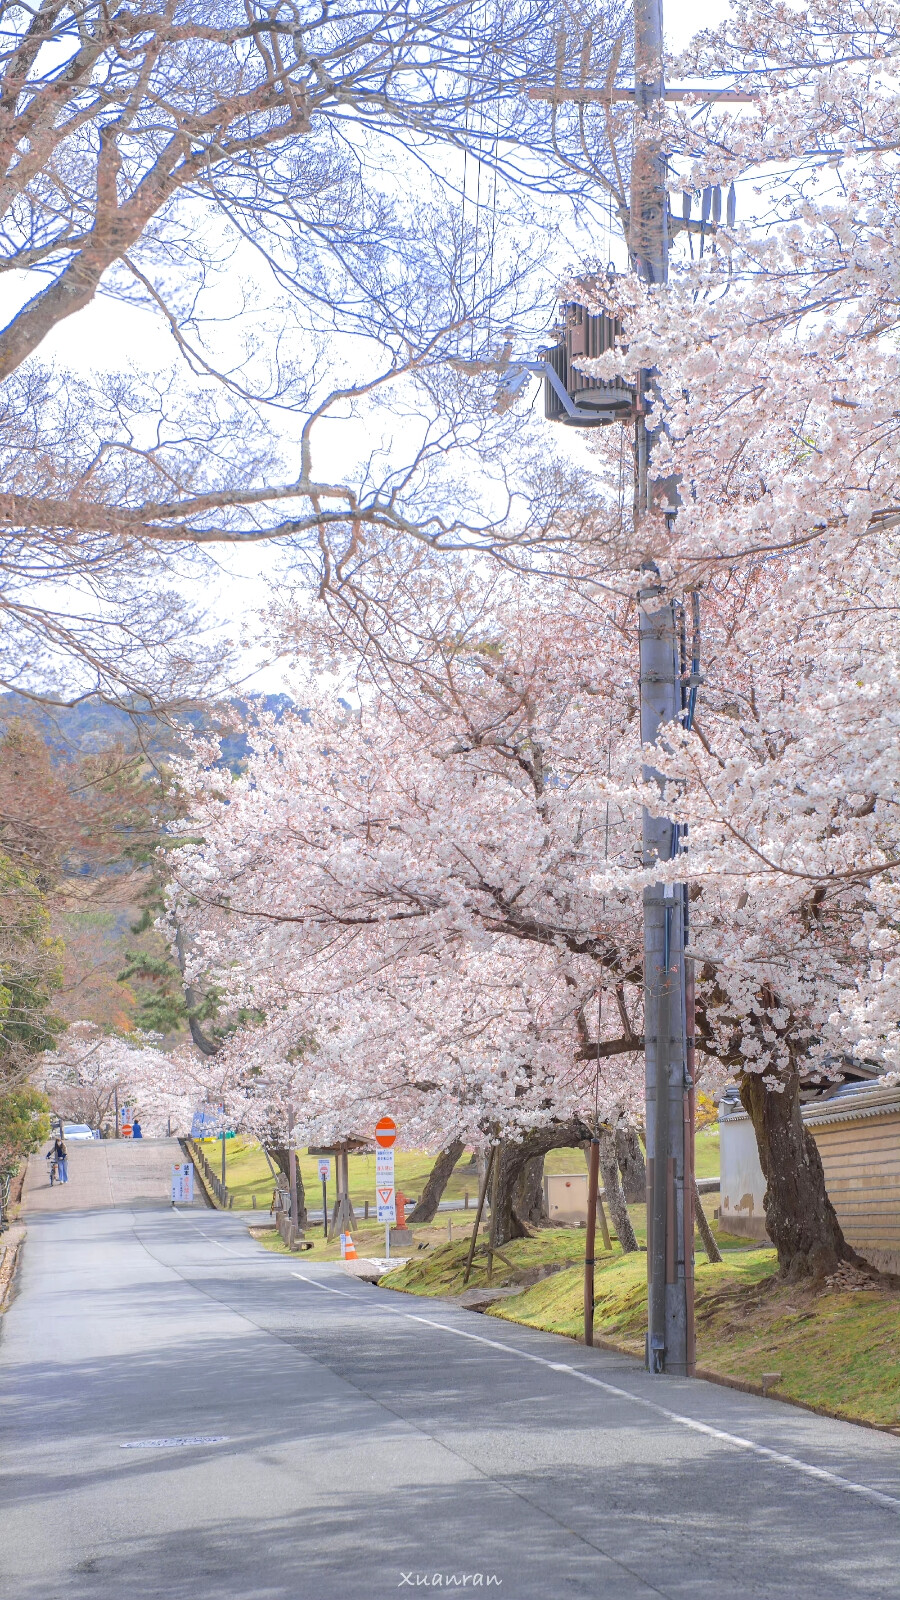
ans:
(58, 1158)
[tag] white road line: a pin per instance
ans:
(327, 1287)
(206, 1235)
(734, 1439)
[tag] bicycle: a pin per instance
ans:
(54, 1170)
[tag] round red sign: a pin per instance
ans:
(385, 1132)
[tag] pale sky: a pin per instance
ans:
(109, 336)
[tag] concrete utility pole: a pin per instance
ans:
(668, 685)
(669, 1127)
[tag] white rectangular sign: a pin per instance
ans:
(324, 1171)
(183, 1184)
(385, 1193)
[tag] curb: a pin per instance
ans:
(9, 1262)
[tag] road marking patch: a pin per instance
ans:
(327, 1286)
(175, 1443)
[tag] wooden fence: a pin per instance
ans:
(218, 1192)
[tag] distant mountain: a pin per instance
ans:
(92, 725)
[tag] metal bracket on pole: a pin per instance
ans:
(511, 383)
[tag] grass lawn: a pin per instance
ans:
(369, 1239)
(835, 1350)
(248, 1172)
(706, 1153)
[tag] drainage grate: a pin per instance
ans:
(177, 1443)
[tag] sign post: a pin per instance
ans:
(183, 1184)
(385, 1191)
(325, 1174)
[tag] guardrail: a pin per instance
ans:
(218, 1192)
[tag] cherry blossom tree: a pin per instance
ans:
(321, 160)
(435, 864)
(461, 854)
(788, 788)
(774, 418)
(458, 810)
(89, 1070)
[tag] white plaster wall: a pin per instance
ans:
(742, 1183)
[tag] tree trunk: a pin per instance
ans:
(430, 1198)
(528, 1197)
(614, 1196)
(281, 1157)
(713, 1253)
(514, 1156)
(631, 1165)
(800, 1218)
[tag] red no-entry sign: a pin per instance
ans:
(385, 1132)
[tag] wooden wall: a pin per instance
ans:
(861, 1159)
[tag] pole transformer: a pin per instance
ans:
(669, 1103)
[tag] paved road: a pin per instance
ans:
(372, 1441)
(107, 1172)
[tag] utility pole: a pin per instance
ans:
(667, 692)
(669, 1126)
(663, 682)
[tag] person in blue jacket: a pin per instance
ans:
(136, 1132)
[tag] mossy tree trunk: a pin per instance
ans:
(280, 1154)
(427, 1204)
(632, 1166)
(514, 1157)
(713, 1253)
(800, 1219)
(528, 1199)
(615, 1198)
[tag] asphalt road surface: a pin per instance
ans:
(106, 1172)
(186, 1415)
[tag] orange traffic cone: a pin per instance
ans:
(350, 1249)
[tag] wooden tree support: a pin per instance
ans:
(713, 1252)
(488, 1248)
(590, 1238)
